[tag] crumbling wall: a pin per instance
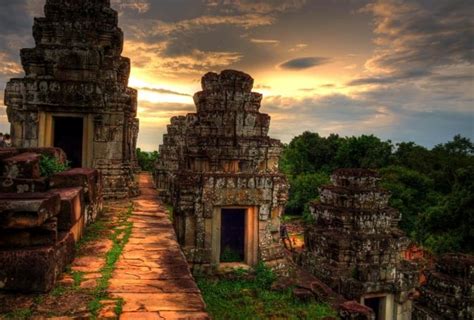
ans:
(41, 218)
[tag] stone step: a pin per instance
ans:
(72, 209)
(46, 234)
(27, 210)
(89, 179)
(35, 269)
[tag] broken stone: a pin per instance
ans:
(19, 185)
(24, 165)
(35, 269)
(72, 209)
(46, 234)
(27, 210)
(90, 182)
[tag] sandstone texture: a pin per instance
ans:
(76, 70)
(448, 290)
(221, 156)
(354, 245)
(39, 230)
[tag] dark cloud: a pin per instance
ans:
(164, 91)
(403, 76)
(303, 63)
(422, 34)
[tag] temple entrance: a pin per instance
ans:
(378, 305)
(68, 135)
(232, 235)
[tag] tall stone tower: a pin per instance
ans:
(74, 94)
(355, 247)
(220, 171)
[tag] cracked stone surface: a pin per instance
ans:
(152, 275)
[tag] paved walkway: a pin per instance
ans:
(152, 276)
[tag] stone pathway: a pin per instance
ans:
(152, 275)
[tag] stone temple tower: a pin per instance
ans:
(74, 94)
(355, 247)
(219, 169)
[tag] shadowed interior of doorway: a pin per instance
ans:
(68, 135)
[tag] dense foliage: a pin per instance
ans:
(248, 295)
(146, 160)
(50, 165)
(433, 189)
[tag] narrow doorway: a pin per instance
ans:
(68, 135)
(232, 235)
(377, 304)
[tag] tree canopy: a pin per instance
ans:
(432, 188)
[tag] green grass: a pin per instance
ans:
(19, 314)
(170, 212)
(77, 276)
(119, 237)
(248, 296)
(93, 232)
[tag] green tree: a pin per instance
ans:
(413, 156)
(447, 227)
(303, 189)
(412, 194)
(363, 152)
(146, 160)
(310, 153)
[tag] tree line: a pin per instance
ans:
(432, 188)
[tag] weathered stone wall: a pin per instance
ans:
(41, 217)
(354, 244)
(76, 69)
(448, 290)
(221, 156)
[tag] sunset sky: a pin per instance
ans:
(402, 70)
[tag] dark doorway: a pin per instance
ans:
(68, 133)
(232, 235)
(377, 305)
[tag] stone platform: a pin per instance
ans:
(152, 275)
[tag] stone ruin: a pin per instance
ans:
(41, 217)
(219, 170)
(355, 247)
(74, 94)
(448, 289)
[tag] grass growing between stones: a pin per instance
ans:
(243, 295)
(71, 298)
(120, 235)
